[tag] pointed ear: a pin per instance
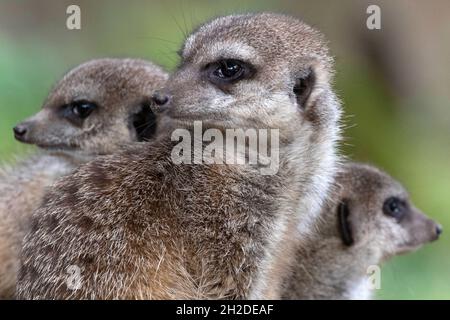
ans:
(345, 229)
(144, 122)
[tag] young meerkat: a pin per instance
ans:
(137, 225)
(368, 220)
(93, 110)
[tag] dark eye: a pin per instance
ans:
(228, 71)
(82, 109)
(395, 207)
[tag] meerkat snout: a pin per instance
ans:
(418, 228)
(439, 230)
(19, 131)
(421, 228)
(30, 131)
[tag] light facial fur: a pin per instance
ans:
(201, 230)
(368, 219)
(93, 110)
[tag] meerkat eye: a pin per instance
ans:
(395, 207)
(228, 71)
(82, 109)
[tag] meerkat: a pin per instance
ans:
(368, 219)
(93, 110)
(138, 225)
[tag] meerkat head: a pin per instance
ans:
(255, 70)
(96, 107)
(375, 212)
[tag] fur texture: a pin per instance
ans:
(120, 89)
(138, 226)
(326, 267)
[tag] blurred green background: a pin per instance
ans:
(394, 84)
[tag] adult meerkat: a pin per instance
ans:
(95, 108)
(368, 220)
(138, 225)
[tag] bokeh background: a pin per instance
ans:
(394, 83)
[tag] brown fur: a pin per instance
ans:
(119, 87)
(326, 268)
(152, 229)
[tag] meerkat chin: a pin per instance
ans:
(368, 219)
(135, 225)
(93, 110)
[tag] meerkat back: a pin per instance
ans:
(21, 189)
(368, 219)
(139, 224)
(93, 110)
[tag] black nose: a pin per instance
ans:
(19, 131)
(438, 230)
(160, 98)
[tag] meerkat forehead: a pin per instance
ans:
(368, 183)
(107, 79)
(259, 37)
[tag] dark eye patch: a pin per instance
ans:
(395, 207)
(77, 111)
(228, 71)
(83, 109)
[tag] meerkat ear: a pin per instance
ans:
(345, 229)
(303, 87)
(144, 122)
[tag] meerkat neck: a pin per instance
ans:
(345, 271)
(75, 158)
(298, 209)
(325, 268)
